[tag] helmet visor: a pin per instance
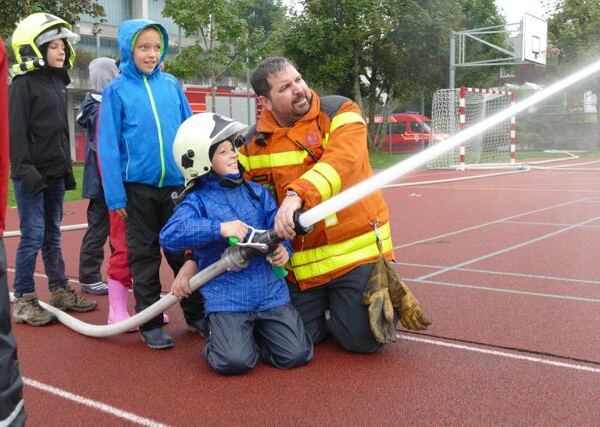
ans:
(55, 34)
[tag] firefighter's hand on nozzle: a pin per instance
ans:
(284, 220)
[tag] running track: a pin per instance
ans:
(507, 267)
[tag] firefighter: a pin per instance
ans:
(308, 149)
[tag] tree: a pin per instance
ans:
(228, 35)
(15, 10)
(574, 31)
(382, 50)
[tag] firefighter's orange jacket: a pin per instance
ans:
(318, 158)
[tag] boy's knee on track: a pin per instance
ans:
(297, 356)
(231, 364)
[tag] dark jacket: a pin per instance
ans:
(39, 129)
(88, 118)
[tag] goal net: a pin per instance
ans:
(454, 110)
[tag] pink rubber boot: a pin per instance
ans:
(117, 301)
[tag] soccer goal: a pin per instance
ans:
(454, 110)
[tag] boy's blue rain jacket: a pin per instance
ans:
(195, 225)
(139, 118)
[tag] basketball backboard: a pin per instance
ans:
(534, 33)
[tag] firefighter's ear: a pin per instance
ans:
(265, 102)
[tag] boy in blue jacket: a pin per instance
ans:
(141, 111)
(249, 311)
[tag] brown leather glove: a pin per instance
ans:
(381, 311)
(407, 306)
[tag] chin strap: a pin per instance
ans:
(229, 182)
(26, 66)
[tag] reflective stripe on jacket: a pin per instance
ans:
(318, 158)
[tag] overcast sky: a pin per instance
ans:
(514, 10)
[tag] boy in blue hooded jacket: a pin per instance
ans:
(249, 311)
(141, 111)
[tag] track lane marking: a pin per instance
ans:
(507, 249)
(129, 416)
(496, 221)
(502, 273)
(506, 291)
(497, 353)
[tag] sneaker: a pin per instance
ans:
(66, 299)
(156, 338)
(199, 326)
(28, 310)
(98, 288)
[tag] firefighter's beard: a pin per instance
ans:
(288, 114)
(300, 106)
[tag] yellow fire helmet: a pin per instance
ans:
(34, 31)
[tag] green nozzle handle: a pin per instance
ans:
(279, 271)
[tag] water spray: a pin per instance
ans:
(357, 192)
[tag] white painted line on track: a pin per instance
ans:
(488, 188)
(93, 404)
(502, 273)
(496, 221)
(505, 290)
(508, 249)
(497, 353)
(553, 224)
(446, 180)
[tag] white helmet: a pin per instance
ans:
(194, 138)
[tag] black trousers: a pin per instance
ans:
(336, 308)
(12, 411)
(236, 340)
(148, 209)
(91, 254)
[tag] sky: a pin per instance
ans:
(514, 10)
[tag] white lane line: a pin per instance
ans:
(553, 224)
(446, 180)
(17, 233)
(488, 188)
(93, 404)
(496, 221)
(505, 290)
(497, 353)
(503, 273)
(508, 249)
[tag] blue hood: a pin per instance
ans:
(128, 32)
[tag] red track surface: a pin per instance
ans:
(507, 267)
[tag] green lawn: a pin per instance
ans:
(69, 196)
(385, 160)
(378, 161)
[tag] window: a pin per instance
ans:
(398, 127)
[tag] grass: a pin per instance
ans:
(69, 195)
(379, 161)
